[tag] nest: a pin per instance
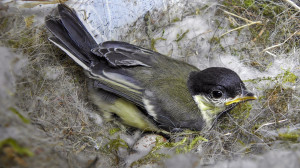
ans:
(45, 112)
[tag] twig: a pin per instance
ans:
(252, 23)
(266, 124)
(232, 14)
(293, 4)
(271, 54)
(280, 44)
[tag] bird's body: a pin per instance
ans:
(139, 83)
(160, 92)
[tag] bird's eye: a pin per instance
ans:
(217, 94)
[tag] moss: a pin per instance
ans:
(18, 149)
(189, 146)
(181, 36)
(153, 42)
(215, 40)
(27, 40)
(289, 77)
(24, 119)
(270, 10)
(4, 24)
(247, 149)
(291, 136)
(175, 20)
(185, 145)
(114, 144)
(149, 24)
(240, 114)
(114, 130)
(284, 77)
(151, 158)
(248, 3)
(263, 38)
(241, 111)
(29, 21)
(274, 17)
(12, 154)
(278, 99)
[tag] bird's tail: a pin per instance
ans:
(71, 36)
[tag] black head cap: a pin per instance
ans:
(215, 78)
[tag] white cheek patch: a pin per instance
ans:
(209, 110)
(203, 107)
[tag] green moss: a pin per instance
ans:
(24, 119)
(114, 144)
(15, 146)
(233, 26)
(240, 114)
(247, 149)
(248, 3)
(29, 21)
(114, 130)
(291, 136)
(277, 20)
(215, 40)
(183, 146)
(289, 77)
(278, 99)
(151, 158)
(149, 24)
(153, 42)
(181, 36)
(175, 20)
(260, 38)
(271, 9)
(230, 3)
(27, 40)
(4, 24)
(187, 147)
(242, 111)
(284, 77)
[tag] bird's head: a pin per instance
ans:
(217, 90)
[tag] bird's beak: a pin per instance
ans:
(245, 96)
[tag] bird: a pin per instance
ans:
(143, 88)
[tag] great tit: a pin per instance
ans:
(143, 88)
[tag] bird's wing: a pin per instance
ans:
(124, 54)
(119, 70)
(118, 81)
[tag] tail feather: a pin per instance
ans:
(73, 53)
(72, 37)
(76, 29)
